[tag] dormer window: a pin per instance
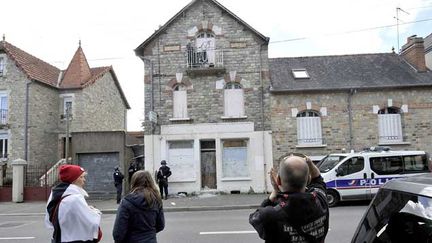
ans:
(300, 73)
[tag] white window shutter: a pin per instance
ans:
(233, 102)
(309, 131)
(180, 104)
(390, 128)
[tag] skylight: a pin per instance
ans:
(300, 73)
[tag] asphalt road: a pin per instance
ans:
(184, 227)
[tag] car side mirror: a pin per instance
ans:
(339, 172)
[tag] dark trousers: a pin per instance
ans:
(163, 186)
(119, 188)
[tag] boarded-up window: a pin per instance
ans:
(181, 161)
(309, 128)
(390, 125)
(180, 104)
(233, 100)
(234, 159)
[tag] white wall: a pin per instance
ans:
(259, 154)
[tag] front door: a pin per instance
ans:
(208, 164)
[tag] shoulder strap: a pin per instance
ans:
(54, 221)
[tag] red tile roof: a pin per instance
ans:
(77, 75)
(32, 66)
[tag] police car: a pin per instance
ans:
(358, 176)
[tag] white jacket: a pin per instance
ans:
(78, 221)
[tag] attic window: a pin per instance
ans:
(300, 73)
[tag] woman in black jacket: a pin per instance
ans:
(140, 214)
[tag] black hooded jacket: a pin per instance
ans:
(136, 221)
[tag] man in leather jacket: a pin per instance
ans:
(297, 209)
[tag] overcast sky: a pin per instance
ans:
(109, 30)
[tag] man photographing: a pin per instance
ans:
(297, 209)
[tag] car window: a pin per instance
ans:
(387, 165)
(396, 216)
(352, 165)
(329, 162)
(415, 163)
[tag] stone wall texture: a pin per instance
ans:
(416, 122)
(205, 101)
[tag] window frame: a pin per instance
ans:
(390, 125)
(4, 137)
(300, 73)
(2, 65)
(309, 128)
(180, 90)
(229, 172)
(233, 101)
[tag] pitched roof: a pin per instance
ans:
(358, 71)
(77, 75)
(78, 71)
(139, 49)
(33, 67)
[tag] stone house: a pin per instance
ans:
(41, 105)
(327, 104)
(206, 101)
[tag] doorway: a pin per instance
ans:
(208, 164)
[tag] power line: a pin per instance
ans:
(350, 31)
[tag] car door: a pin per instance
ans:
(350, 179)
(383, 169)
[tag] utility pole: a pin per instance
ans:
(67, 133)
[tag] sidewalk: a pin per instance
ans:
(203, 202)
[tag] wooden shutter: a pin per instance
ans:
(309, 130)
(390, 128)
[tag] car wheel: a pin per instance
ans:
(332, 198)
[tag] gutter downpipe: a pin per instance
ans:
(26, 119)
(351, 92)
(262, 118)
(144, 59)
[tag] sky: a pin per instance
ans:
(110, 30)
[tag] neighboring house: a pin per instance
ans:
(206, 101)
(428, 50)
(327, 104)
(35, 98)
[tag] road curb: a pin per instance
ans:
(166, 209)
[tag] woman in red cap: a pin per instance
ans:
(68, 213)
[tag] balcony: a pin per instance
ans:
(204, 62)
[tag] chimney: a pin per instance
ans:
(413, 52)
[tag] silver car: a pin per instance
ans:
(401, 211)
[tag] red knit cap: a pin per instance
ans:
(69, 173)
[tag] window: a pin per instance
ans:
(68, 107)
(415, 163)
(390, 125)
(205, 44)
(353, 165)
(180, 102)
(4, 145)
(387, 165)
(234, 158)
(181, 160)
(309, 128)
(3, 108)
(300, 73)
(233, 100)
(2, 66)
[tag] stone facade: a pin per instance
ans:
(99, 106)
(245, 54)
(416, 120)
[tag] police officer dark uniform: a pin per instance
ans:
(162, 178)
(118, 182)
